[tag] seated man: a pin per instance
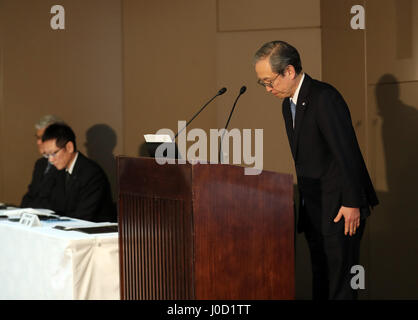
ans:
(44, 172)
(81, 188)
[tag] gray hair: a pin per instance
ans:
(47, 120)
(280, 55)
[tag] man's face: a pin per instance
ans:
(282, 86)
(59, 157)
(38, 135)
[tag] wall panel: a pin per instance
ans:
(169, 66)
(392, 39)
(245, 15)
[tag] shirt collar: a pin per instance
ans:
(294, 99)
(71, 168)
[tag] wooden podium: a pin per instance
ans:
(204, 231)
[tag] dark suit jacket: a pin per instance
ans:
(330, 168)
(88, 195)
(39, 189)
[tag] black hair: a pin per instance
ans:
(60, 132)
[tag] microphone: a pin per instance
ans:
(220, 92)
(241, 91)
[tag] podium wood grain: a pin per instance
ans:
(204, 232)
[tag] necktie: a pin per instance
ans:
(293, 109)
(67, 179)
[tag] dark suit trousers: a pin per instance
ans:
(332, 257)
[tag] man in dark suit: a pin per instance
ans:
(335, 189)
(43, 172)
(81, 188)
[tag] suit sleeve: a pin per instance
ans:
(334, 121)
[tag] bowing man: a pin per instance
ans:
(334, 185)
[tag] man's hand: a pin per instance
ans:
(351, 217)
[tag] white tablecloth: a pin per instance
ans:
(46, 263)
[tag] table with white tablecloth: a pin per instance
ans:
(46, 263)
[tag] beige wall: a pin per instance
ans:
(74, 73)
(392, 97)
(248, 15)
(376, 70)
(169, 66)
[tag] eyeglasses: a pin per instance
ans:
(268, 83)
(52, 155)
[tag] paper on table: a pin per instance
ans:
(17, 212)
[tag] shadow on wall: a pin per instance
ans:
(394, 243)
(100, 142)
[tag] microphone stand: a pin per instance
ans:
(242, 90)
(220, 92)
